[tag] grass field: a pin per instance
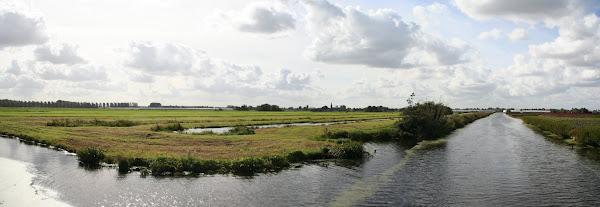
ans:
(140, 142)
(578, 129)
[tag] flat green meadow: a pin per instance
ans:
(140, 141)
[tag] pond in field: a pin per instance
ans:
(221, 130)
(495, 161)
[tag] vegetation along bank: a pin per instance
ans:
(574, 128)
(145, 138)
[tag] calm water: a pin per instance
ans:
(221, 130)
(496, 161)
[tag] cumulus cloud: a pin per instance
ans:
(530, 11)
(266, 20)
(376, 38)
(517, 34)
(468, 82)
(142, 78)
(8, 81)
(78, 73)
(536, 77)
(58, 54)
(427, 14)
(578, 43)
(286, 80)
(14, 68)
(168, 58)
(19, 29)
(492, 34)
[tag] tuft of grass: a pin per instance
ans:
(66, 123)
(90, 155)
(241, 130)
(168, 127)
(351, 150)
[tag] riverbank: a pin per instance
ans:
(584, 131)
(17, 187)
(126, 137)
(126, 140)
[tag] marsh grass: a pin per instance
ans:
(90, 155)
(168, 127)
(66, 122)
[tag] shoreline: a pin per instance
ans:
(18, 189)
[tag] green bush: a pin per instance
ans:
(247, 165)
(296, 156)
(350, 150)
(424, 121)
(163, 164)
(275, 162)
(90, 155)
(124, 166)
(589, 135)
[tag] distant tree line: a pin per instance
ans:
(573, 111)
(62, 104)
(269, 107)
(378, 109)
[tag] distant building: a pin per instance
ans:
(154, 104)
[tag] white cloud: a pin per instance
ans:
(492, 34)
(471, 83)
(167, 58)
(266, 19)
(578, 43)
(530, 11)
(58, 54)
(376, 38)
(72, 73)
(286, 80)
(537, 77)
(14, 68)
(8, 81)
(19, 29)
(427, 15)
(142, 78)
(517, 34)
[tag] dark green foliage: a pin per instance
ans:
(350, 150)
(66, 123)
(241, 130)
(560, 128)
(268, 107)
(124, 166)
(80, 123)
(296, 156)
(275, 162)
(169, 127)
(589, 135)
(384, 133)
(247, 165)
(424, 121)
(90, 155)
(163, 164)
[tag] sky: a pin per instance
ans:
(492, 53)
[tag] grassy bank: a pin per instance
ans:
(146, 138)
(583, 130)
(448, 124)
(140, 137)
